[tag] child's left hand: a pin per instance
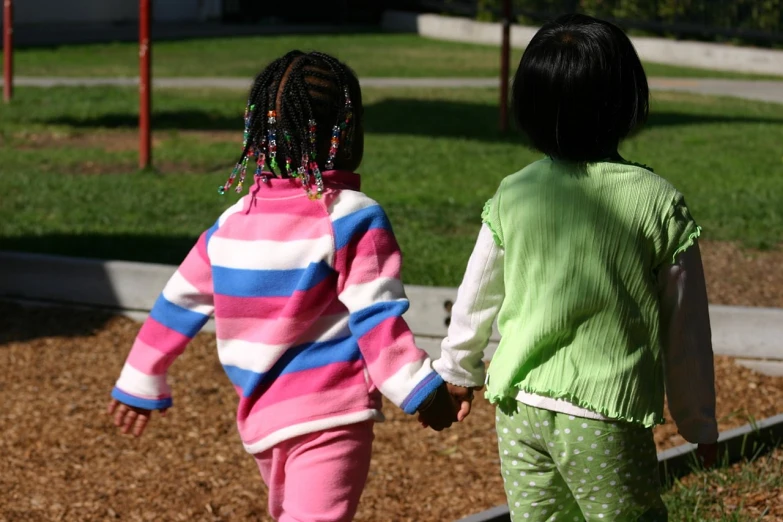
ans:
(130, 417)
(439, 410)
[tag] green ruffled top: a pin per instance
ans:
(583, 248)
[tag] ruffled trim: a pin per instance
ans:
(689, 241)
(640, 165)
(486, 216)
(508, 405)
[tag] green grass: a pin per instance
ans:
(747, 492)
(371, 55)
(433, 157)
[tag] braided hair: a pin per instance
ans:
(299, 120)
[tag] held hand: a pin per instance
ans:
(707, 454)
(439, 410)
(130, 418)
(463, 397)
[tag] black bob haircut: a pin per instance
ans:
(579, 89)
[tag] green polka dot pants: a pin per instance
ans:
(558, 467)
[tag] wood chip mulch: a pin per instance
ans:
(62, 460)
(754, 489)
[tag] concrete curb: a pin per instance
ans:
(753, 334)
(691, 54)
(744, 442)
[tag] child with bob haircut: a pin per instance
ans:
(302, 276)
(591, 265)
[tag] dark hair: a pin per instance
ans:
(579, 89)
(300, 88)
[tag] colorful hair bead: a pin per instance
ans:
(310, 165)
(335, 144)
(347, 132)
(272, 141)
(241, 167)
(288, 169)
(312, 136)
(339, 131)
(242, 173)
(319, 181)
(227, 185)
(260, 160)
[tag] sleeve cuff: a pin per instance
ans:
(137, 402)
(465, 379)
(420, 393)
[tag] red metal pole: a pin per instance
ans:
(8, 50)
(505, 52)
(145, 102)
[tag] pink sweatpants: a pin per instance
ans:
(318, 477)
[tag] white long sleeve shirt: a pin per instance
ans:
(685, 327)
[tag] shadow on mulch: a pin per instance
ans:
(39, 322)
(433, 118)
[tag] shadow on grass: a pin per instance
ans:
(430, 118)
(84, 291)
(161, 120)
(480, 121)
(141, 248)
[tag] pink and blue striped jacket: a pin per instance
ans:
(308, 307)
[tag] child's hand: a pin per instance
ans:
(463, 397)
(439, 410)
(129, 417)
(707, 454)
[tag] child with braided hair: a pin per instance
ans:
(302, 276)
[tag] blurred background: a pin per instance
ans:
(74, 188)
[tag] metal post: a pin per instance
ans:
(8, 50)
(504, 65)
(145, 58)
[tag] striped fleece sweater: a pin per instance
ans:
(308, 307)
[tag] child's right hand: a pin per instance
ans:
(130, 418)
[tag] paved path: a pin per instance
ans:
(37, 35)
(763, 90)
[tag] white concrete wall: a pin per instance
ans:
(660, 50)
(749, 333)
(30, 12)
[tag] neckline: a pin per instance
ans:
(275, 187)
